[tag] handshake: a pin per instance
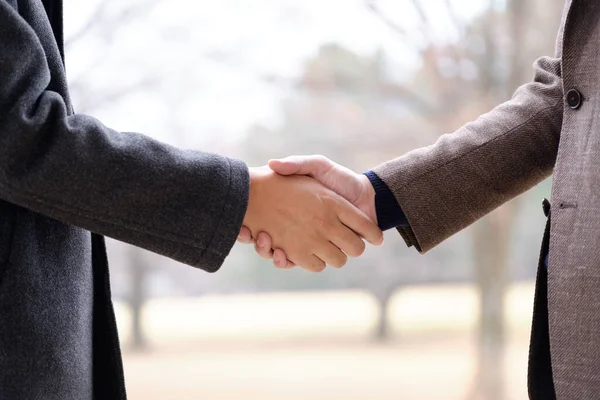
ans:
(310, 212)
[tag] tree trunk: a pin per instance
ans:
(490, 254)
(137, 298)
(491, 248)
(382, 333)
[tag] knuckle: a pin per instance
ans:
(334, 209)
(321, 163)
(351, 244)
(328, 201)
(320, 158)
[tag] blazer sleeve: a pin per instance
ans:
(187, 205)
(465, 175)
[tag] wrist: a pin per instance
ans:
(257, 176)
(389, 213)
(368, 197)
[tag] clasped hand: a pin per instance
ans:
(318, 214)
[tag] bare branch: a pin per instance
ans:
(407, 40)
(137, 9)
(425, 26)
(92, 102)
(458, 23)
(99, 18)
(95, 18)
(410, 97)
(375, 10)
(388, 90)
(422, 15)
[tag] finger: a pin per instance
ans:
(264, 240)
(245, 236)
(332, 255)
(263, 246)
(280, 260)
(310, 263)
(301, 165)
(267, 254)
(356, 220)
(348, 241)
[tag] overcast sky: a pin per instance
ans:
(212, 54)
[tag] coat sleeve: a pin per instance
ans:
(465, 175)
(186, 205)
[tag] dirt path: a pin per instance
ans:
(427, 369)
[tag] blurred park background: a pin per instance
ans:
(360, 81)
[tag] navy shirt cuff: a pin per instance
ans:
(389, 212)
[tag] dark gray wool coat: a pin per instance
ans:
(63, 176)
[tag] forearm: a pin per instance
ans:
(183, 204)
(446, 187)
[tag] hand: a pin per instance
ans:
(356, 188)
(311, 223)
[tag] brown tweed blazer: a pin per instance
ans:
(552, 125)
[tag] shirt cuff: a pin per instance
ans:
(389, 213)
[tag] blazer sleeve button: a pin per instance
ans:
(574, 99)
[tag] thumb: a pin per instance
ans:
(333, 176)
(300, 165)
